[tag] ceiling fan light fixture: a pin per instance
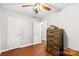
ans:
(38, 6)
(34, 7)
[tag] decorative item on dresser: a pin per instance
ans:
(71, 52)
(55, 41)
(0, 53)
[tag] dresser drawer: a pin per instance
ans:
(53, 46)
(52, 31)
(53, 51)
(53, 43)
(53, 34)
(52, 39)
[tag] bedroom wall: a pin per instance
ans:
(0, 29)
(68, 19)
(27, 27)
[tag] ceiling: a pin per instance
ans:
(29, 10)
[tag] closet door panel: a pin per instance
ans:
(13, 32)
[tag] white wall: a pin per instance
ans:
(0, 29)
(4, 31)
(27, 27)
(68, 19)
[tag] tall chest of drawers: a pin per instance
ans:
(55, 41)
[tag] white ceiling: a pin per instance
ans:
(29, 11)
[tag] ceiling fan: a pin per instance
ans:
(37, 7)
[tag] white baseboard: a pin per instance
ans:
(19, 47)
(25, 45)
(5, 50)
(15, 48)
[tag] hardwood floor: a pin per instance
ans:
(35, 50)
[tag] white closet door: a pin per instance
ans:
(13, 32)
(37, 33)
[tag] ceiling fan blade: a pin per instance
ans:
(27, 5)
(46, 7)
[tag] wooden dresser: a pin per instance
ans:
(55, 41)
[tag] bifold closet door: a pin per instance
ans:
(13, 32)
